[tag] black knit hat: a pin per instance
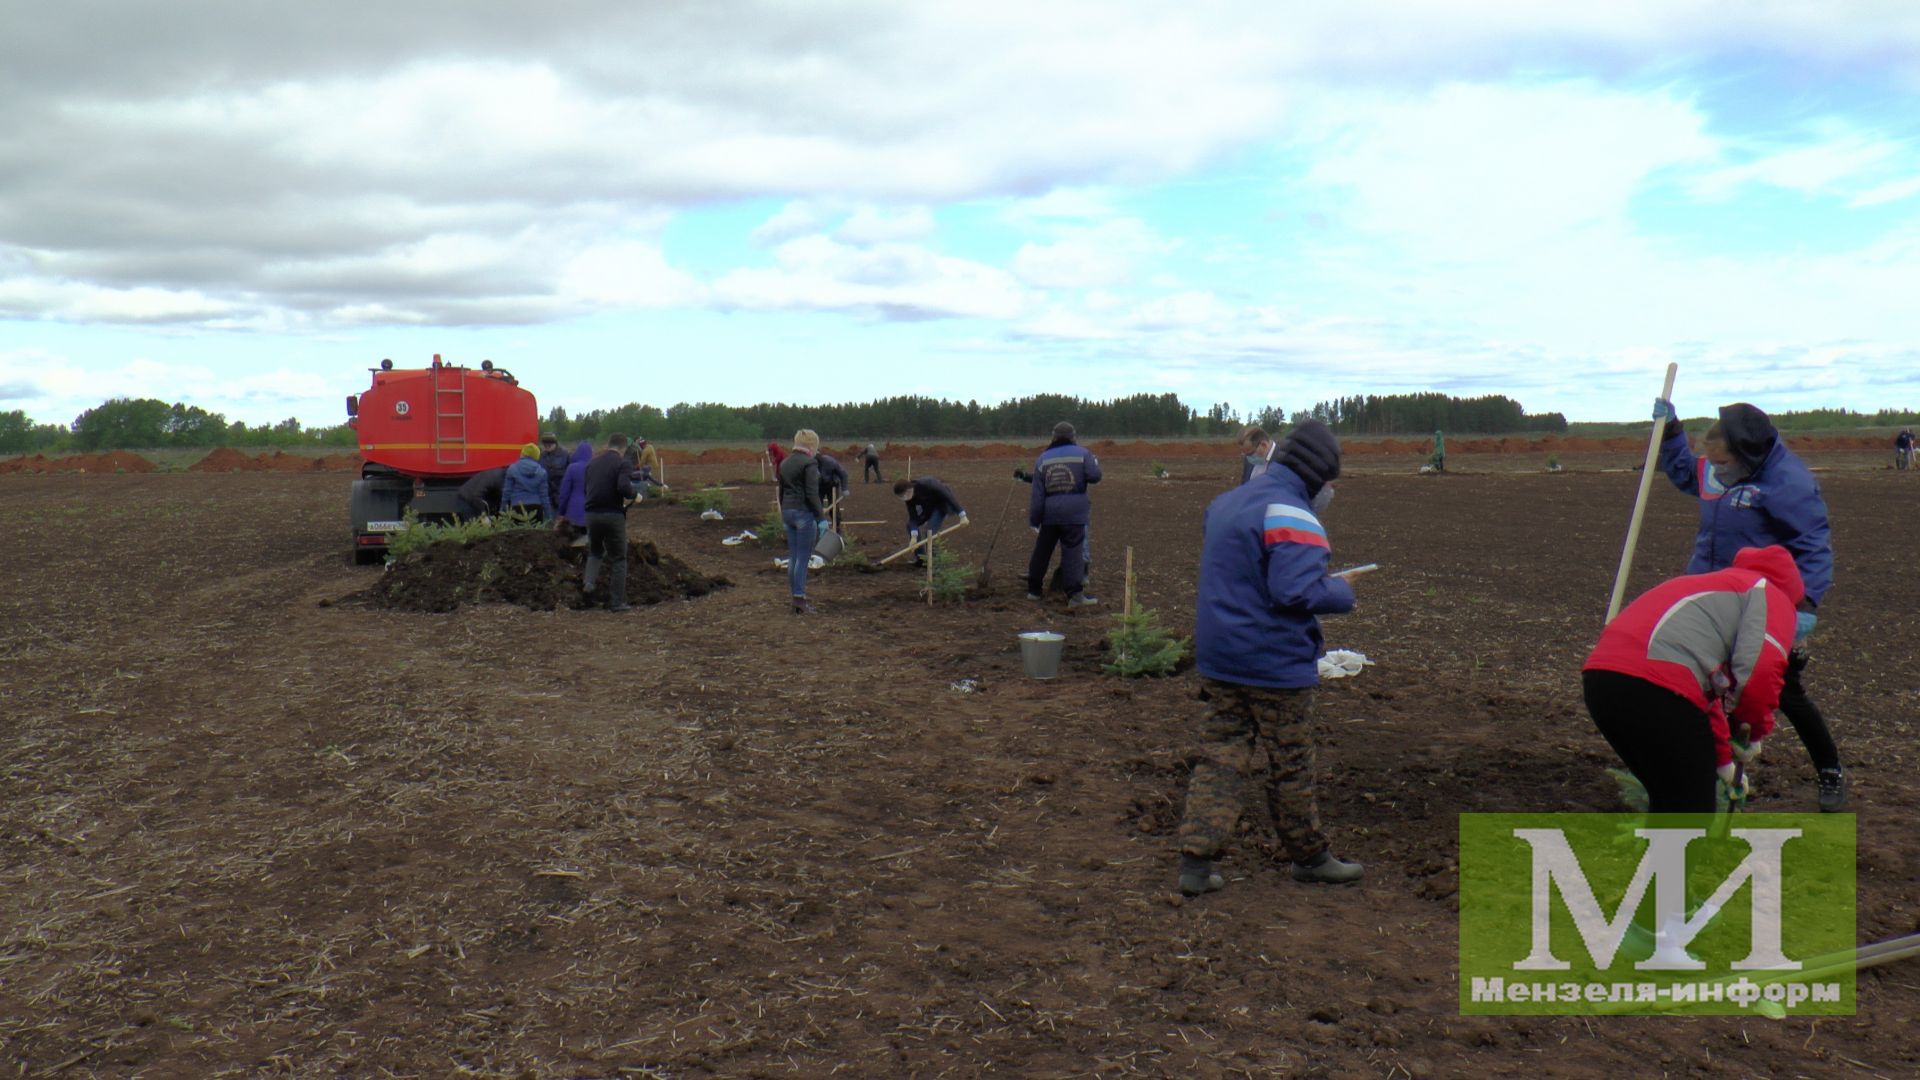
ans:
(1313, 453)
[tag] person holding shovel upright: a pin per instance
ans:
(800, 512)
(834, 484)
(1059, 511)
(1263, 586)
(1754, 492)
(928, 503)
(1681, 662)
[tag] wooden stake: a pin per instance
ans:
(1126, 602)
(1640, 502)
(929, 572)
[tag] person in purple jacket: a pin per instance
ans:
(1059, 512)
(1754, 492)
(572, 504)
(1257, 644)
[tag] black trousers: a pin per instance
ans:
(607, 544)
(1072, 540)
(1663, 739)
(871, 473)
(1805, 717)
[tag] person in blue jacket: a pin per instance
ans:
(524, 488)
(1754, 492)
(1257, 644)
(573, 487)
(1059, 510)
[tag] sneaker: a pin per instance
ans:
(1033, 596)
(1327, 870)
(1833, 789)
(1198, 876)
(1081, 600)
(612, 609)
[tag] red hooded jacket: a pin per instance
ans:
(1718, 639)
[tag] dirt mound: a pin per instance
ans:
(120, 461)
(533, 568)
(225, 459)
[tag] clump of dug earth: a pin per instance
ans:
(532, 568)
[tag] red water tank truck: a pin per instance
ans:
(423, 433)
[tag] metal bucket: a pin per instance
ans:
(829, 545)
(1040, 653)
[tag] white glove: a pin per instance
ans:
(1744, 754)
(1729, 775)
(913, 534)
(963, 515)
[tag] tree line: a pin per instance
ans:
(1416, 414)
(151, 424)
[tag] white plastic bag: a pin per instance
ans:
(1342, 663)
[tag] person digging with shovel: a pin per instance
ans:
(1263, 586)
(1680, 663)
(928, 503)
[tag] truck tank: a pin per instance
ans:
(423, 433)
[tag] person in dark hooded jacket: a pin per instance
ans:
(1257, 644)
(572, 504)
(480, 495)
(524, 488)
(1059, 511)
(1754, 493)
(834, 483)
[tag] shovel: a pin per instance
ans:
(986, 561)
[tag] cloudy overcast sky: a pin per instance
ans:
(244, 205)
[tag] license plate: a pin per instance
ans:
(385, 526)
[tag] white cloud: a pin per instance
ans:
(1811, 169)
(868, 225)
(1089, 256)
(627, 274)
(894, 281)
(1479, 170)
(81, 302)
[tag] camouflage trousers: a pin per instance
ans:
(1242, 723)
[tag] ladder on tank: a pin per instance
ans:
(449, 414)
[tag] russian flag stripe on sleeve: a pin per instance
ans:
(1292, 525)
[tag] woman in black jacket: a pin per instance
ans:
(800, 512)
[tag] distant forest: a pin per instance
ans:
(151, 424)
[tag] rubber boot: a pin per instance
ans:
(617, 588)
(1198, 876)
(1324, 869)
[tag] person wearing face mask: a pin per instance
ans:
(1754, 492)
(1256, 453)
(1257, 643)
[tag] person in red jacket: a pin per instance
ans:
(1687, 658)
(776, 455)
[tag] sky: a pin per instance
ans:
(245, 206)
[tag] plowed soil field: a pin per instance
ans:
(251, 827)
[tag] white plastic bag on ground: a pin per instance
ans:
(1341, 663)
(712, 515)
(813, 563)
(744, 536)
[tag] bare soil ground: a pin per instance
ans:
(248, 830)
